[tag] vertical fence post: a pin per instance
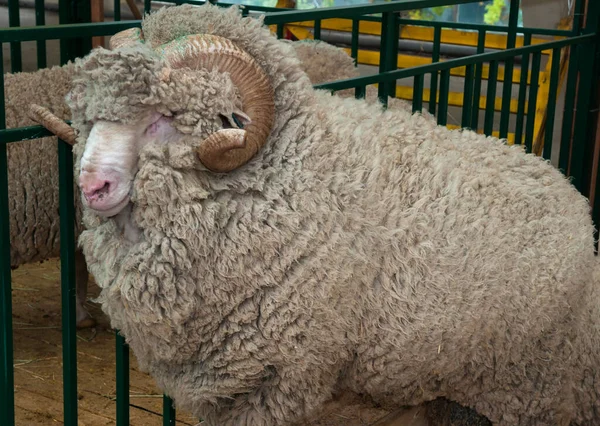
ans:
(67, 275)
(168, 412)
(40, 19)
(122, 370)
(354, 43)
(477, 82)
(14, 20)
(7, 402)
(522, 92)
(388, 59)
(511, 41)
(72, 12)
(435, 57)
(588, 80)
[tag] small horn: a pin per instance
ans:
(126, 38)
(51, 122)
(226, 150)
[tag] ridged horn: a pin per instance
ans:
(43, 116)
(228, 149)
(126, 38)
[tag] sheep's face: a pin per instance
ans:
(111, 156)
(200, 82)
(109, 162)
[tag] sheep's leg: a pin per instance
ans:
(84, 319)
(288, 398)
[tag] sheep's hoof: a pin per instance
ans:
(87, 322)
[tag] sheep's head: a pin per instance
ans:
(181, 76)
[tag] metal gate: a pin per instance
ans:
(518, 69)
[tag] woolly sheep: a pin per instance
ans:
(33, 165)
(262, 245)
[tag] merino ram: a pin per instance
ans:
(262, 245)
(33, 165)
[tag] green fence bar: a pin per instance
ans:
(533, 92)
(522, 93)
(468, 97)
(417, 101)
(478, 78)
(117, 10)
(588, 80)
(147, 6)
(435, 57)
(317, 29)
(511, 40)
(444, 90)
(40, 19)
(66, 32)
(7, 397)
(63, 18)
(16, 63)
(354, 43)
(488, 124)
(567, 122)
(122, 379)
(383, 51)
(551, 109)
(67, 275)
(169, 417)
(359, 92)
(279, 30)
(389, 54)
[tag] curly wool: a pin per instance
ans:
(360, 249)
(34, 219)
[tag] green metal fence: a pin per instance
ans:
(576, 148)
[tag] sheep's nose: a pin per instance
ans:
(93, 186)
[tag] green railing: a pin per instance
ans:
(575, 151)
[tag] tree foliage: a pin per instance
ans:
(493, 12)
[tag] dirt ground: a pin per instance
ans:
(38, 367)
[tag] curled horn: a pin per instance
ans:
(126, 38)
(228, 149)
(51, 122)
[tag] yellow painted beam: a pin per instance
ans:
(370, 57)
(413, 32)
(455, 99)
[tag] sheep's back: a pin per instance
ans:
(475, 240)
(33, 165)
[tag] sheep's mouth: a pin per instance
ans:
(111, 210)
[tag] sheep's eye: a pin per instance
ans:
(237, 121)
(234, 121)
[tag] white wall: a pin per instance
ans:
(545, 13)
